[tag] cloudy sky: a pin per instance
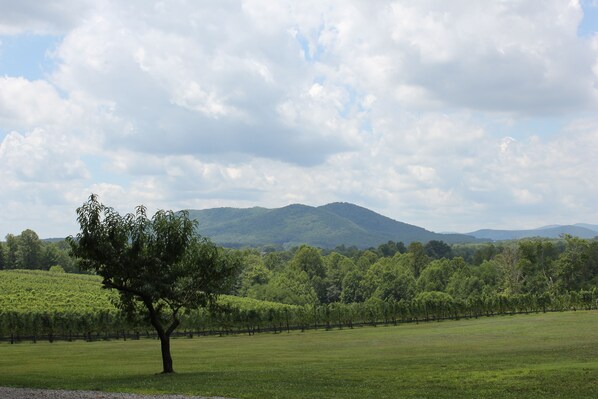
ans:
(451, 115)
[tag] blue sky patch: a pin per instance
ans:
(589, 23)
(27, 56)
(99, 167)
(309, 53)
(523, 128)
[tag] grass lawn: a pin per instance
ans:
(524, 356)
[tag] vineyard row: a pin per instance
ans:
(229, 318)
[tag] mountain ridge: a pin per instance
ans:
(326, 226)
(551, 231)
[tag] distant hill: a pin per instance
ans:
(553, 231)
(326, 226)
(593, 227)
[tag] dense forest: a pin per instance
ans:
(393, 272)
(390, 272)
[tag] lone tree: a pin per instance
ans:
(159, 266)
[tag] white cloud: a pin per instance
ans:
(25, 104)
(32, 16)
(417, 110)
(39, 156)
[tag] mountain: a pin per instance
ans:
(544, 232)
(326, 226)
(593, 227)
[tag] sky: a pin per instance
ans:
(452, 116)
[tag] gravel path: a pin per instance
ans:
(27, 393)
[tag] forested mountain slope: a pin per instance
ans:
(326, 226)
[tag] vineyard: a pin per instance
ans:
(41, 305)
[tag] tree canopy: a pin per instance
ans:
(159, 265)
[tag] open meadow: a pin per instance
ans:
(522, 356)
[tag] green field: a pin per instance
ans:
(524, 356)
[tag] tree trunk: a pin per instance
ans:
(163, 334)
(166, 357)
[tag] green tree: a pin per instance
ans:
(419, 259)
(438, 249)
(396, 286)
(337, 267)
(367, 259)
(353, 287)
(50, 256)
(485, 252)
(434, 303)
(309, 260)
(254, 273)
(30, 250)
(391, 248)
(592, 269)
(390, 279)
(275, 261)
(12, 251)
(436, 275)
(537, 263)
(511, 270)
(291, 286)
(2, 257)
(470, 281)
(573, 265)
(158, 265)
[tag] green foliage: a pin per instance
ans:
(436, 249)
(12, 252)
(56, 269)
(254, 273)
(573, 267)
(2, 257)
(309, 260)
(76, 304)
(158, 265)
(275, 261)
(291, 286)
(38, 291)
(310, 287)
(27, 251)
(367, 259)
(473, 281)
(337, 267)
(41, 303)
(436, 275)
(419, 259)
(396, 286)
(354, 287)
(390, 248)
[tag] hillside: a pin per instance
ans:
(41, 291)
(326, 226)
(554, 231)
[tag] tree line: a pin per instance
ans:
(395, 272)
(392, 271)
(28, 251)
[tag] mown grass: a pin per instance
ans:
(525, 356)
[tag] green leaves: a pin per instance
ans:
(160, 262)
